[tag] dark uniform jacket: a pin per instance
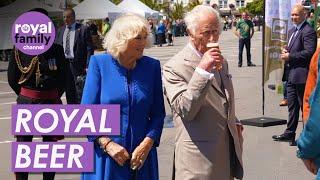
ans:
(52, 74)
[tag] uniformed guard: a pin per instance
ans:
(38, 80)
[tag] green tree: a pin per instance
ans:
(151, 4)
(178, 11)
(255, 7)
(192, 4)
(116, 2)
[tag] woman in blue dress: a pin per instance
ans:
(124, 76)
(309, 140)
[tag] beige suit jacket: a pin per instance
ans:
(207, 144)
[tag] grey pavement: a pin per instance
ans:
(263, 158)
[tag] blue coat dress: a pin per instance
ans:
(139, 93)
(309, 140)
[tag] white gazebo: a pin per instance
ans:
(137, 7)
(59, 3)
(20, 6)
(97, 9)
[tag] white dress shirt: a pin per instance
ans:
(200, 71)
(297, 31)
(72, 35)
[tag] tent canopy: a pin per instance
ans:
(136, 6)
(20, 6)
(59, 3)
(96, 9)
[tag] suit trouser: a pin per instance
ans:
(295, 94)
(170, 38)
(244, 42)
(24, 175)
(73, 70)
(285, 91)
(161, 38)
(26, 100)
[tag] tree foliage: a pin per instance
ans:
(177, 11)
(255, 7)
(116, 2)
(192, 4)
(151, 3)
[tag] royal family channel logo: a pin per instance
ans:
(33, 33)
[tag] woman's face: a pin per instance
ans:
(136, 46)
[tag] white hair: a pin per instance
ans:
(124, 29)
(192, 18)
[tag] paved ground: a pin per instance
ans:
(264, 159)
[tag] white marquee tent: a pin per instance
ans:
(20, 6)
(59, 3)
(136, 6)
(96, 9)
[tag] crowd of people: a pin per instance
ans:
(196, 83)
(231, 21)
(164, 31)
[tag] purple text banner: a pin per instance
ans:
(52, 157)
(71, 120)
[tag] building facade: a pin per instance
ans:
(228, 7)
(222, 4)
(185, 2)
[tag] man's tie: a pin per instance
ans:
(292, 36)
(222, 87)
(67, 50)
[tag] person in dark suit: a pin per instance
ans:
(76, 41)
(302, 44)
(37, 80)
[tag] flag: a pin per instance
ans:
(277, 24)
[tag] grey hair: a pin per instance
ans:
(125, 28)
(192, 18)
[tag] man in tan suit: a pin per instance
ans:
(208, 143)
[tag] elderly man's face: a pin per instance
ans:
(68, 18)
(208, 30)
(297, 16)
(136, 46)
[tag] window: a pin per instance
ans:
(207, 2)
(223, 3)
(239, 3)
(306, 2)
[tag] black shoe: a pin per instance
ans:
(239, 65)
(293, 143)
(251, 64)
(284, 137)
(272, 86)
